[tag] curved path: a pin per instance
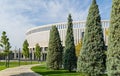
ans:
(24, 70)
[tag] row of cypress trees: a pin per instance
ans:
(92, 55)
(57, 56)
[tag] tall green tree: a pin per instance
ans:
(25, 49)
(113, 53)
(6, 47)
(92, 54)
(70, 58)
(37, 52)
(55, 50)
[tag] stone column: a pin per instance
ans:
(44, 57)
(41, 58)
(33, 55)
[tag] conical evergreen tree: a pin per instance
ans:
(91, 57)
(113, 54)
(55, 50)
(70, 58)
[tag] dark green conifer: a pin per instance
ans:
(113, 54)
(91, 59)
(54, 56)
(70, 58)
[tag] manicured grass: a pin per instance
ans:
(45, 72)
(15, 64)
(2, 68)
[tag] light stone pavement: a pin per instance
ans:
(24, 70)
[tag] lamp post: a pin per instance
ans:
(8, 58)
(31, 56)
(19, 56)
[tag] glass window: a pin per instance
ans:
(46, 48)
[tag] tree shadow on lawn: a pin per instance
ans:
(25, 74)
(42, 70)
(55, 72)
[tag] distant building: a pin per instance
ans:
(14, 55)
(40, 35)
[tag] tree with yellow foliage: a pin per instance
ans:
(106, 32)
(78, 48)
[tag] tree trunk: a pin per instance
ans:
(38, 60)
(8, 59)
(5, 61)
(31, 60)
(70, 68)
(26, 61)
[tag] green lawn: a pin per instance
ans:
(2, 67)
(43, 71)
(15, 64)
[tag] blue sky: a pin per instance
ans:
(16, 16)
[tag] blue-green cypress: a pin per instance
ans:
(69, 59)
(55, 50)
(91, 59)
(113, 54)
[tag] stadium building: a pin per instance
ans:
(40, 35)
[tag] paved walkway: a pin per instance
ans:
(19, 71)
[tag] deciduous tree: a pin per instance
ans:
(78, 48)
(37, 52)
(25, 50)
(6, 47)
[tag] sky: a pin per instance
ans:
(17, 16)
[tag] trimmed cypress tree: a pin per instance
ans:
(91, 59)
(70, 58)
(38, 52)
(113, 54)
(54, 56)
(25, 50)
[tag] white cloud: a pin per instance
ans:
(13, 23)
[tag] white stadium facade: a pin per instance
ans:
(40, 35)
